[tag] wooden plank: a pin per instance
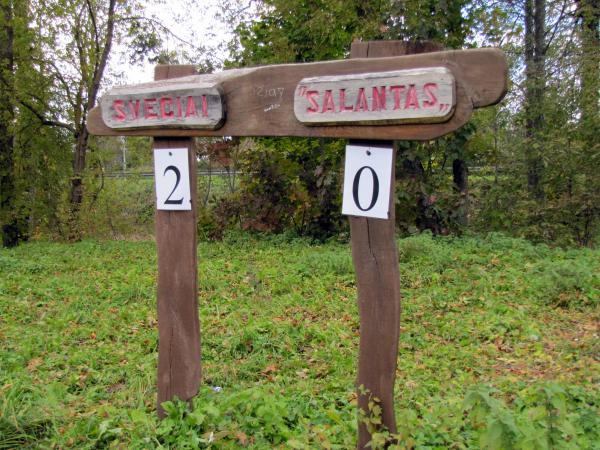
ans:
(260, 101)
(375, 258)
(187, 106)
(402, 96)
(179, 366)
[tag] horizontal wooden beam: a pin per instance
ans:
(259, 101)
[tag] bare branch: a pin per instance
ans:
(43, 120)
(94, 25)
(556, 25)
(159, 25)
(99, 69)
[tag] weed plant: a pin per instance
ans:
(499, 346)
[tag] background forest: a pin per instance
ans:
(529, 167)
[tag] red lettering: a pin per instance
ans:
(378, 101)
(397, 90)
(328, 104)
(361, 101)
(429, 89)
(343, 106)
(204, 106)
(314, 106)
(118, 109)
(190, 109)
(178, 104)
(149, 112)
(164, 114)
(411, 98)
(135, 110)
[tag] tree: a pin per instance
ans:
(16, 42)
(447, 24)
(10, 226)
(535, 84)
(60, 50)
(74, 71)
(303, 31)
(588, 15)
(294, 183)
(78, 71)
(588, 210)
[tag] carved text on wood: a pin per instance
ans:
(186, 106)
(405, 96)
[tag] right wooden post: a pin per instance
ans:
(375, 258)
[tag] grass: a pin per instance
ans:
(499, 346)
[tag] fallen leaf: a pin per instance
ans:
(33, 364)
(271, 368)
(302, 373)
(242, 438)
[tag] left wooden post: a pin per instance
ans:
(179, 363)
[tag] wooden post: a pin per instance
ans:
(375, 259)
(179, 364)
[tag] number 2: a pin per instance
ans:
(168, 201)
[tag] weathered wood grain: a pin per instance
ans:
(187, 106)
(179, 366)
(402, 96)
(375, 260)
(260, 101)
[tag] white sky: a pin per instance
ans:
(193, 21)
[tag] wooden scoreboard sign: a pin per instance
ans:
(376, 96)
(404, 96)
(187, 106)
(429, 94)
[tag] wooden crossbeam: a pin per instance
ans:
(259, 101)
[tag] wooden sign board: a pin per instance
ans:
(188, 106)
(266, 101)
(375, 96)
(404, 96)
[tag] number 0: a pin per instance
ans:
(355, 184)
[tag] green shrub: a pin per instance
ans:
(566, 283)
(541, 417)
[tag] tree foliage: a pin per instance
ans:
(55, 60)
(528, 166)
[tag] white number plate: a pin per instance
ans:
(367, 178)
(172, 179)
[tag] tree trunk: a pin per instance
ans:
(76, 195)
(460, 176)
(8, 217)
(427, 217)
(589, 13)
(102, 47)
(535, 83)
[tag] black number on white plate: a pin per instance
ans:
(355, 185)
(367, 181)
(171, 170)
(170, 201)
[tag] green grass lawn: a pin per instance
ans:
(499, 346)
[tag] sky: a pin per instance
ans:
(191, 21)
